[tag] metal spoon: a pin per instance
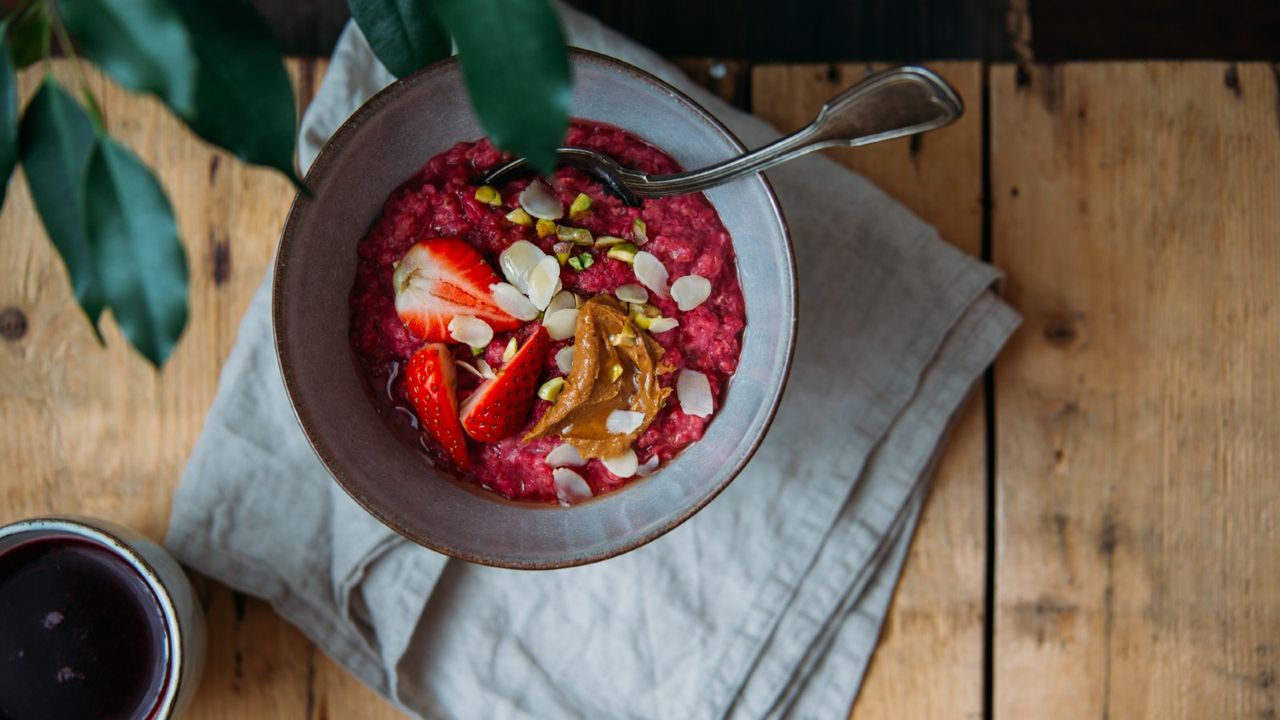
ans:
(889, 104)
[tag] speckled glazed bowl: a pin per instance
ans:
(378, 148)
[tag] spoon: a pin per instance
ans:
(886, 105)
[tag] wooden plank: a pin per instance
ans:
(94, 430)
(929, 663)
(1137, 211)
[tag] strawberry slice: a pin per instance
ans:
(432, 385)
(440, 278)
(501, 406)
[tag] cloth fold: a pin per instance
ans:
(767, 603)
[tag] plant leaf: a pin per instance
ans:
(8, 112)
(517, 71)
(143, 44)
(405, 34)
(244, 101)
(56, 137)
(135, 241)
(27, 38)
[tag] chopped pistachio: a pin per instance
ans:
(488, 195)
(587, 260)
(580, 205)
(520, 217)
(615, 372)
(639, 232)
(626, 252)
(577, 236)
(512, 346)
(545, 228)
(562, 250)
(477, 351)
(576, 263)
(643, 315)
(550, 389)
(608, 241)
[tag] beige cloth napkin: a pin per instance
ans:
(767, 603)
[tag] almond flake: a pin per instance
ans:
(544, 282)
(518, 261)
(651, 272)
(564, 358)
(694, 392)
(540, 201)
(632, 293)
(690, 291)
(471, 331)
(561, 323)
(662, 324)
(513, 302)
(565, 455)
(624, 465)
(570, 487)
(623, 422)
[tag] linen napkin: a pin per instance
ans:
(767, 603)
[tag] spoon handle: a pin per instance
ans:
(889, 104)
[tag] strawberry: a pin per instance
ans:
(500, 407)
(432, 385)
(443, 277)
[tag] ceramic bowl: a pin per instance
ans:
(378, 148)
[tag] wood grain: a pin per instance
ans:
(1137, 211)
(929, 663)
(93, 430)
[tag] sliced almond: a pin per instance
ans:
(564, 359)
(651, 272)
(469, 368)
(486, 370)
(571, 488)
(623, 422)
(565, 455)
(690, 291)
(540, 201)
(544, 282)
(561, 323)
(518, 261)
(513, 302)
(647, 467)
(564, 300)
(632, 293)
(663, 324)
(624, 465)
(694, 391)
(471, 331)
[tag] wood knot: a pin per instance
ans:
(1231, 79)
(13, 324)
(1060, 331)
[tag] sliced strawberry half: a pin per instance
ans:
(440, 278)
(501, 406)
(431, 380)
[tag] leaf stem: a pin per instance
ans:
(68, 49)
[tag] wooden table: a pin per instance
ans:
(1102, 537)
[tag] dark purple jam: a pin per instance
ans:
(81, 634)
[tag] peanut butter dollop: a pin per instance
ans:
(615, 367)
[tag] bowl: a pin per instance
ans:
(381, 146)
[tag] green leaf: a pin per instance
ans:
(143, 44)
(404, 34)
(135, 240)
(8, 112)
(244, 101)
(56, 137)
(517, 71)
(28, 38)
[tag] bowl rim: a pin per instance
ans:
(302, 202)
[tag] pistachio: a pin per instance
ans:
(575, 263)
(662, 324)
(580, 205)
(626, 252)
(609, 241)
(639, 232)
(520, 217)
(550, 389)
(587, 260)
(488, 195)
(512, 346)
(615, 372)
(477, 351)
(577, 236)
(625, 338)
(545, 228)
